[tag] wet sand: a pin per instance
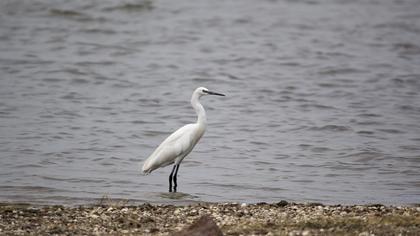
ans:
(282, 218)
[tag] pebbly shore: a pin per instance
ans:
(280, 218)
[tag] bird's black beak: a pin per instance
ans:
(214, 93)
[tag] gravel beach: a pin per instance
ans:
(280, 218)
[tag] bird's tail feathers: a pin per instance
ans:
(143, 169)
(146, 169)
(146, 172)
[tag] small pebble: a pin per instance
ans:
(306, 233)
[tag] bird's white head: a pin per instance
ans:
(201, 113)
(201, 91)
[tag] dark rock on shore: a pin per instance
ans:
(204, 226)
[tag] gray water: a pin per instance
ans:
(323, 99)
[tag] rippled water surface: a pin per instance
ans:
(323, 99)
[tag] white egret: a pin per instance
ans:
(180, 143)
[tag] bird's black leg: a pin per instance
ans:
(175, 174)
(170, 179)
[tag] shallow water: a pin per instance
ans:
(322, 99)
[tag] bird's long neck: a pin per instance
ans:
(199, 109)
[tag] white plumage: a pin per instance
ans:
(174, 148)
(180, 143)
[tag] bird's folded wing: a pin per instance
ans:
(177, 144)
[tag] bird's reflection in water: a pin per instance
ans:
(177, 196)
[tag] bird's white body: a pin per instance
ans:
(180, 143)
(175, 147)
